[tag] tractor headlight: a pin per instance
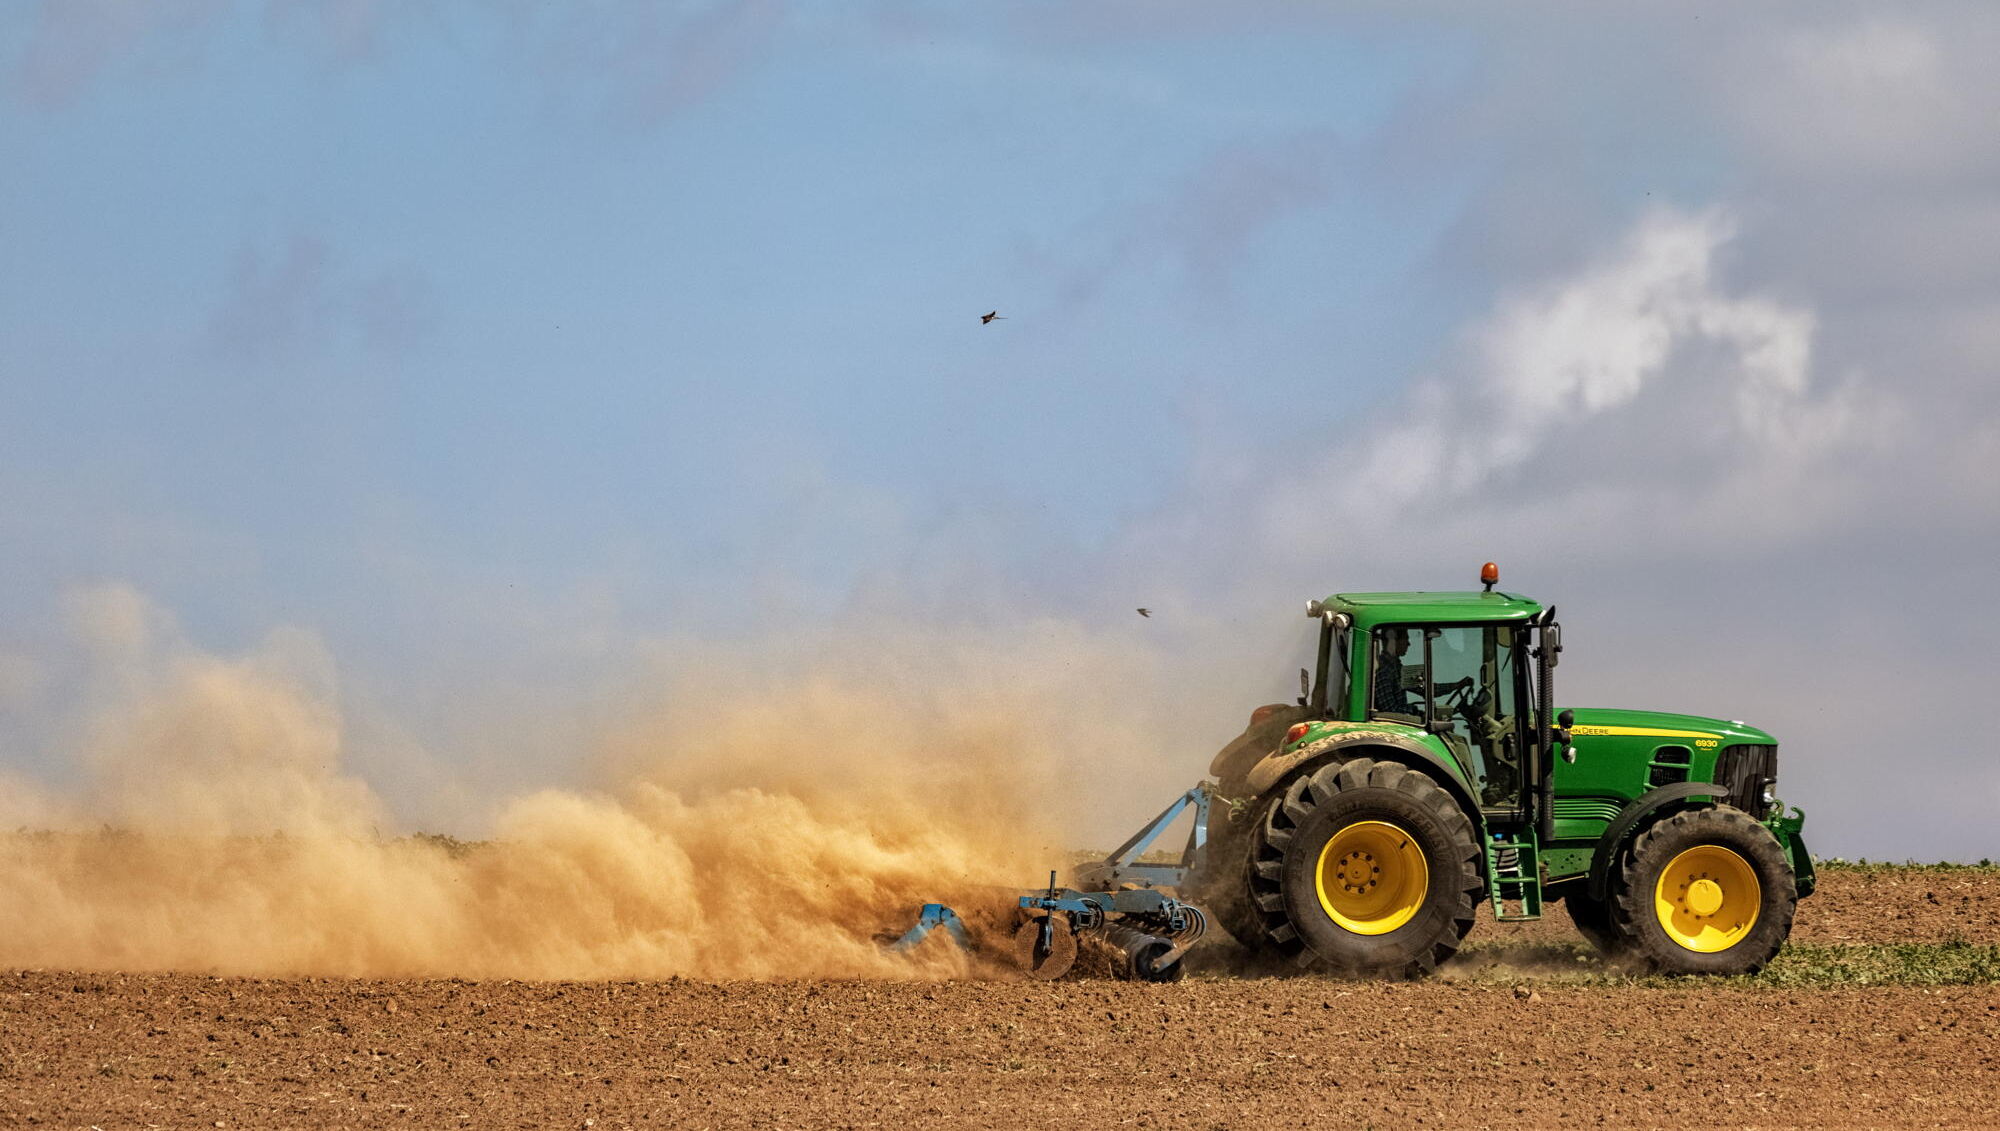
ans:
(1770, 793)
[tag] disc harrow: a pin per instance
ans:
(1125, 912)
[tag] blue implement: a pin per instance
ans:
(1122, 866)
(933, 916)
(1118, 904)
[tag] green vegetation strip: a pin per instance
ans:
(1899, 964)
(1798, 966)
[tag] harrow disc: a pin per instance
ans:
(1045, 954)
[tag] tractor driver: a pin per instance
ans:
(1390, 696)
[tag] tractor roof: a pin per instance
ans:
(1369, 609)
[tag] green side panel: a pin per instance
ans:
(1585, 818)
(1580, 830)
(1567, 863)
(1617, 751)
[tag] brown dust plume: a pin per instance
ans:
(737, 837)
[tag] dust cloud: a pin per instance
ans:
(213, 828)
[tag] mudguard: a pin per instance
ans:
(1274, 768)
(1628, 819)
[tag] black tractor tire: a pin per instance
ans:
(1290, 850)
(1225, 888)
(1593, 920)
(1743, 866)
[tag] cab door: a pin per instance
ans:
(1466, 684)
(1477, 692)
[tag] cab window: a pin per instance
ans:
(1468, 680)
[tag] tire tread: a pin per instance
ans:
(1631, 898)
(1304, 796)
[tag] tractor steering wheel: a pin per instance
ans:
(1462, 689)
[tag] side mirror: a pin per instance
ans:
(1305, 686)
(1566, 719)
(1552, 639)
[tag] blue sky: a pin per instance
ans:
(495, 345)
(466, 279)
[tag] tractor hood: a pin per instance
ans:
(1666, 724)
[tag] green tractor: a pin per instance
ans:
(1425, 768)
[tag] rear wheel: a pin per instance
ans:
(1227, 892)
(1705, 891)
(1365, 868)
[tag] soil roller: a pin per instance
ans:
(1144, 932)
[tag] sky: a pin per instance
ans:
(513, 356)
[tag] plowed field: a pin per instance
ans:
(1548, 1039)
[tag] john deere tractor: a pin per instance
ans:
(1425, 768)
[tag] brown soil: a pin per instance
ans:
(1902, 905)
(182, 1050)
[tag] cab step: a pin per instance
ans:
(1514, 877)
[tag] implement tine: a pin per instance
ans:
(932, 917)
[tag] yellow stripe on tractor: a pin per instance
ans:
(1640, 732)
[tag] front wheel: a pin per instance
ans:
(1705, 891)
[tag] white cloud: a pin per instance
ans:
(1590, 345)
(1644, 350)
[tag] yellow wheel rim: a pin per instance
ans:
(1707, 898)
(1372, 877)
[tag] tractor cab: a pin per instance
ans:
(1460, 666)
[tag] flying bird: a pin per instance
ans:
(1145, 612)
(990, 316)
